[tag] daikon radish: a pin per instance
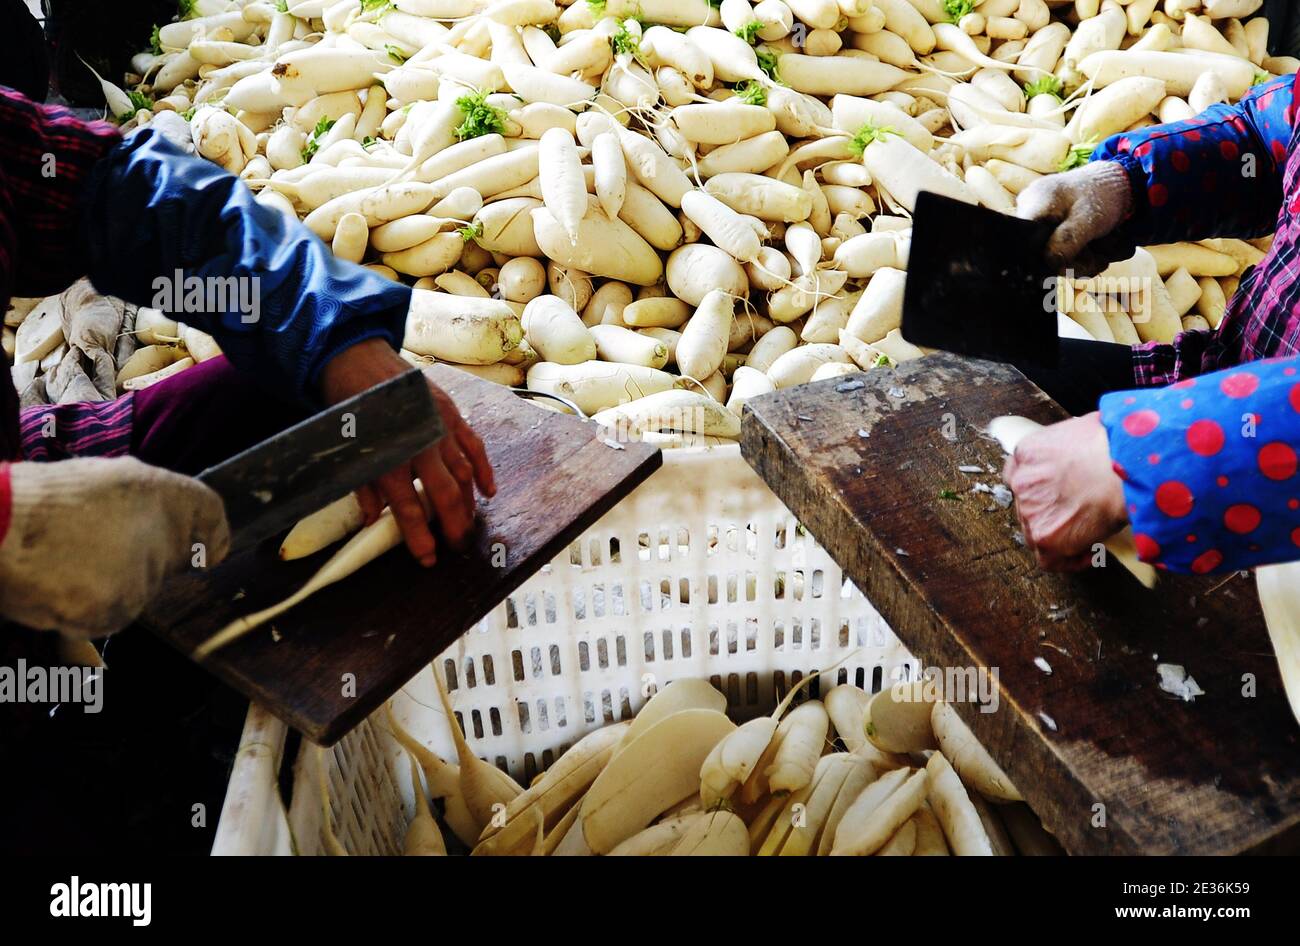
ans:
(564, 189)
(553, 792)
(898, 718)
(617, 344)
(797, 366)
(770, 347)
(555, 331)
(671, 410)
(659, 838)
(646, 214)
(1279, 597)
(464, 330)
(611, 173)
(1115, 108)
(650, 774)
(904, 172)
(657, 312)
(971, 760)
(1196, 259)
(849, 113)
(367, 545)
(596, 386)
(952, 807)
(506, 227)
(604, 247)
(828, 75)
(486, 789)
(704, 338)
(695, 270)
(803, 734)
(880, 308)
(747, 383)
(323, 528)
(879, 812)
(1178, 71)
(750, 156)
(422, 835)
(144, 361)
(140, 382)
(727, 229)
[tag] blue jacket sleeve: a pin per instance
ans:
(178, 233)
(1209, 467)
(1216, 175)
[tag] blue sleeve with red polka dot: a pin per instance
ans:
(1209, 467)
(1216, 175)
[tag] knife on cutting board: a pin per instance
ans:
(978, 284)
(270, 486)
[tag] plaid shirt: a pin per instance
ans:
(44, 167)
(1225, 173)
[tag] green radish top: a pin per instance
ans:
(866, 135)
(1044, 85)
(749, 31)
(480, 117)
(956, 9)
(751, 93)
(313, 140)
(1079, 155)
(625, 43)
(767, 62)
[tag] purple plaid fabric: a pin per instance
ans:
(1229, 172)
(44, 165)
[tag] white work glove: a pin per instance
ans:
(1087, 204)
(90, 541)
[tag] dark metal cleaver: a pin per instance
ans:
(267, 488)
(978, 285)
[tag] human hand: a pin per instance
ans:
(91, 541)
(1068, 496)
(449, 469)
(1087, 205)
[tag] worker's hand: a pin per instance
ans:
(449, 469)
(1068, 495)
(1086, 204)
(90, 541)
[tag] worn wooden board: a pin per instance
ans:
(1121, 767)
(326, 664)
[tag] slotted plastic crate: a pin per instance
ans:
(701, 572)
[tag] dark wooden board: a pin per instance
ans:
(1217, 775)
(555, 477)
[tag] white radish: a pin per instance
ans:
(564, 188)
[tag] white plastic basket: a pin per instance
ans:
(701, 572)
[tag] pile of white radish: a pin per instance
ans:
(661, 209)
(854, 774)
(151, 346)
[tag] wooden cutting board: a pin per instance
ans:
(1111, 763)
(326, 664)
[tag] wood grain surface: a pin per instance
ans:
(324, 665)
(869, 463)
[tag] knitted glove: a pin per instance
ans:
(1088, 204)
(90, 541)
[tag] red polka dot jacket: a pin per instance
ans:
(1208, 451)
